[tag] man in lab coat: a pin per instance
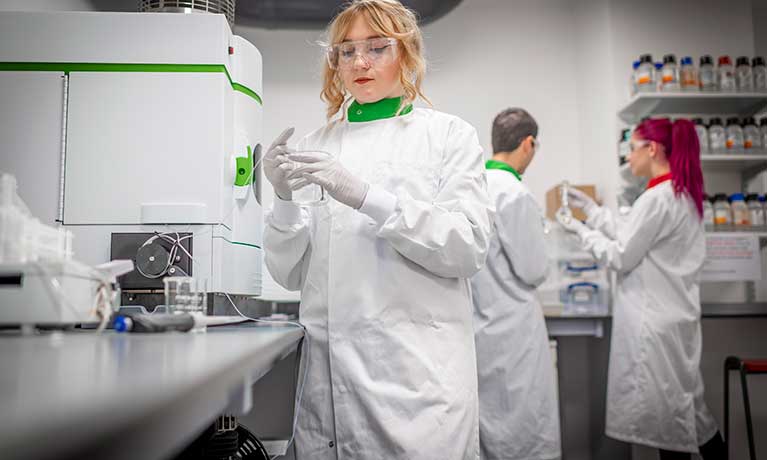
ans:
(519, 414)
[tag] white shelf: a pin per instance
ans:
(759, 234)
(646, 104)
(734, 161)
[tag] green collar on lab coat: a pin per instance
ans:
(385, 108)
(495, 164)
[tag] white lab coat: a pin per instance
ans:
(386, 302)
(655, 389)
(518, 408)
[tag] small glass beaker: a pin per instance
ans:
(311, 194)
(186, 294)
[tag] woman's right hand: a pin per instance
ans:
(277, 166)
(578, 199)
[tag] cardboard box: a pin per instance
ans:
(553, 201)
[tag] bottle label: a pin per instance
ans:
(668, 76)
(644, 78)
(748, 143)
(720, 220)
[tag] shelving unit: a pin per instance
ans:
(647, 104)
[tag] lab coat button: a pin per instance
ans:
(359, 111)
(331, 444)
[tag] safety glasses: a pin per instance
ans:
(638, 145)
(373, 51)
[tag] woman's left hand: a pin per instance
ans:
(317, 168)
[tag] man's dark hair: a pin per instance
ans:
(511, 127)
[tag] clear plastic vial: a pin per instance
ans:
(645, 76)
(752, 137)
(744, 78)
(722, 212)
(702, 132)
(706, 74)
(755, 210)
(670, 74)
(688, 75)
(717, 136)
(734, 134)
(741, 217)
(726, 74)
(658, 76)
(760, 74)
(708, 213)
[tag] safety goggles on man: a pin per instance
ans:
(374, 51)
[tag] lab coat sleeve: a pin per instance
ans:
(287, 247)
(519, 224)
(633, 240)
(448, 236)
(602, 219)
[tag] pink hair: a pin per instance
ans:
(683, 153)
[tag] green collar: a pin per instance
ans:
(495, 164)
(385, 108)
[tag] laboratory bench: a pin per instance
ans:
(80, 394)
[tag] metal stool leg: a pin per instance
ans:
(747, 408)
(727, 406)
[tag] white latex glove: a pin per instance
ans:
(578, 199)
(277, 166)
(571, 224)
(316, 168)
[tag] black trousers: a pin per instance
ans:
(715, 449)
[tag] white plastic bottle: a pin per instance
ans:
(756, 210)
(717, 136)
(763, 131)
(706, 74)
(702, 132)
(760, 74)
(734, 134)
(646, 74)
(752, 137)
(633, 79)
(670, 74)
(708, 213)
(744, 78)
(725, 74)
(741, 217)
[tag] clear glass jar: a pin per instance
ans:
(763, 131)
(706, 74)
(717, 136)
(688, 75)
(645, 76)
(752, 137)
(702, 132)
(741, 217)
(722, 212)
(744, 78)
(669, 74)
(756, 210)
(708, 213)
(760, 74)
(734, 134)
(633, 79)
(725, 74)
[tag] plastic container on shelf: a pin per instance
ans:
(741, 217)
(725, 75)
(658, 76)
(744, 77)
(734, 134)
(702, 131)
(688, 75)
(763, 202)
(670, 74)
(707, 74)
(760, 74)
(708, 213)
(752, 137)
(763, 131)
(633, 79)
(645, 76)
(717, 136)
(756, 210)
(722, 212)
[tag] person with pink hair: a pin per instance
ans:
(655, 389)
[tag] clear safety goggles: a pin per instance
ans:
(633, 146)
(374, 51)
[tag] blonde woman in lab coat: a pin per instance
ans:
(655, 389)
(383, 267)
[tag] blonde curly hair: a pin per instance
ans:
(389, 18)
